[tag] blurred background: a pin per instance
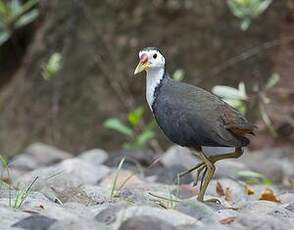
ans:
(67, 68)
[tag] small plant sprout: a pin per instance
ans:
(52, 67)
(22, 194)
(235, 97)
(14, 15)
(247, 10)
(114, 182)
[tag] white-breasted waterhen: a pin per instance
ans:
(192, 117)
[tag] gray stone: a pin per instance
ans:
(80, 210)
(145, 223)
(96, 193)
(77, 225)
(169, 216)
(290, 207)
(229, 168)
(66, 174)
(287, 197)
(109, 215)
(236, 189)
(94, 156)
(258, 206)
(260, 221)
(197, 210)
(35, 222)
(177, 155)
(169, 174)
(9, 216)
(39, 155)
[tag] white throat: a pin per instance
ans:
(153, 78)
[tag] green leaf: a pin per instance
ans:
(178, 75)
(3, 161)
(118, 125)
(27, 18)
(228, 92)
(15, 7)
(250, 174)
(4, 36)
(272, 81)
(245, 23)
(4, 11)
(136, 115)
(260, 7)
(144, 137)
(267, 181)
(53, 66)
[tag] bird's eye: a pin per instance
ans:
(154, 56)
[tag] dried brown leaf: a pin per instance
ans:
(228, 220)
(228, 194)
(249, 190)
(268, 194)
(219, 189)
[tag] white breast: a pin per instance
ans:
(153, 79)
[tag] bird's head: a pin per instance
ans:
(150, 58)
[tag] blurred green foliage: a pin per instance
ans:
(252, 177)
(136, 132)
(247, 10)
(52, 67)
(14, 15)
(239, 99)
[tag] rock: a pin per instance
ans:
(145, 223)
(290, 207)
(96, 193)
(80, 210)
(168, 175)
(170, 216)
(177, 155)
(94, 156)
(287, 197)
(234, 192)
(126, 177)
(74, 194)
(258, 206)
(9, 216)
(66, 174)
(38, 155)
(78, 225)
(109, 215)
(133, 157)
(196, 210)
(229, 168)
(35, 222)
(260, 221)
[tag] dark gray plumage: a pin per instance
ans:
(190, 116)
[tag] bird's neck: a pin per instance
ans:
(154, 78)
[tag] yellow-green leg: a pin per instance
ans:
(209, 171)
(207, 165)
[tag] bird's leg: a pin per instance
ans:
(238, 152)
(191, 169)
(210, 169)
(198, 174)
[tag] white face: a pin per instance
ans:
(155, 58)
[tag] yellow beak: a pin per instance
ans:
(141, 67)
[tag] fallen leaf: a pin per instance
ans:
(219, 189)
(249, 190)
(228, 220)
(228, 194)
(268, 194)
